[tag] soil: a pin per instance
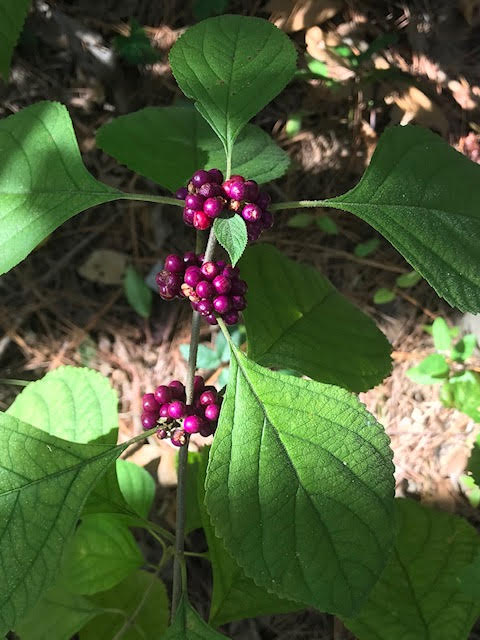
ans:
(51, 315)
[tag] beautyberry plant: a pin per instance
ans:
(296, 494)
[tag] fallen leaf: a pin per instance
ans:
(104, 266)
(412, 105)
(295, 15)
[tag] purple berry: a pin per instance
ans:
(251, 190)
(201, 221)
(168, 284)
(221, 264)
(164, 410)
(238, 303)
(161, 434)
(208, 397)
(263, 200)
(177, 409)
(221, 304)
(210, 190)
(251, 213)
(149, 420)
(200, 259)
(178, 438)
(207, 430)
(237, 190)
(231, 317)
(181, 193)
(222, 284)
(199, 178)
(177, 389)
(239, 288)
(266, 220)
(211, 319)
(194, 201)
(209, 270)
(198, 384)
(254, 229)
(227, 185)
(205, 289)
(188, 216)
(216, 175)
(189, 258)
(163, 394)
(212, 411)
(150, 405)
(213, 207)
(230, 272)
(192, 424)
(174, 263)
(204, 307)
(193, 276)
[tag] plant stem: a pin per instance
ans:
(148, 197)
(179, 581)
(299, 204)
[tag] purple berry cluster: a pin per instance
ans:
(213, 288)
(207, 195)
(167, 409)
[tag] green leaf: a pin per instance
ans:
(470, 579)
(231, 233)
(137, 487)
(150, 621)
(419, 596)
(43, 485)
(293, 126)
(101, 554)
(432, 369)
(470, 489)
(43, 181)
(13, 16)
(463, 392)
(327, 225)
(232, 66)
(423, 196)
(72, 403)
(474, 462)
(301, 220)
(188, 625)
(136, 48)
(234, 595)
(139, 294)
(296, 319)
(300, 487)
(167, 144)
(441, 335)
(364, 249)
(57, 616)
(464, 348)
(206, 358)
(383, 296)
(194, 476)
(407, 280)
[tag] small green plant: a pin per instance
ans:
(296, 494)
(135, 48)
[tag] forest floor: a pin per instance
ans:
(54, 314)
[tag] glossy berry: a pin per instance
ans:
(199, 178)
(149, 403)
(181, 193)
(194, 201)
(210, 190)
(208, 397)
(177, 409)
(216, 175)
(174, 263)
(263, 200)
(193, 276)
(163, 394)
(205, 307)
(237, 190)
(163, 413)
(213, 207)
(239, 288)
(238, 303)
(221, 304)
(211, 319)
(251, 213)
(230, 272)
(267, 220)
(149, 420)
(209, 270)
(201, 221)
(205, 289)
(189, 258)
(231, 317)
(177, 389)
(162, 434)
(188, 215)
(212, 411)
(222, 284)
(192, 424)
(250, 190)
(198, 384)
(178, 438)
(254, 229)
